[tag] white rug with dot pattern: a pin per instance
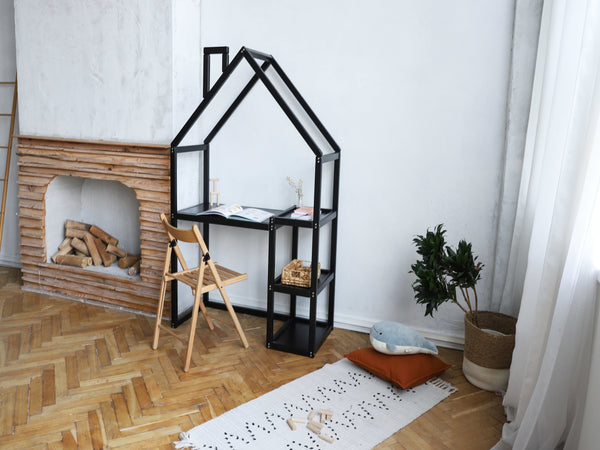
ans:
(365, 411)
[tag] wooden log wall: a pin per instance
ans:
(143, 168)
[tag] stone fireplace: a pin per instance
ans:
(142, 168)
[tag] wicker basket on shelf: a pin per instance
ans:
(297, 273)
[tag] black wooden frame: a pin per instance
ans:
(297, 334)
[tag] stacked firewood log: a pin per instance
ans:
(86, 245)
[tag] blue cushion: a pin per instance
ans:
(393, 338)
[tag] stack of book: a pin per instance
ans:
(303, 213)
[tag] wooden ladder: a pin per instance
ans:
(8, 149)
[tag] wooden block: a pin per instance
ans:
(74, 232)
(66, 242)
(76, 225)
(326, 438)
(62, 252)
(103, 235)
(291, 424)
(80, 246)
(128, 261)
(73, 260)
(107, 258)
(326, 414)
(135, 269)
(312, 414)
(315, 427)
(89, 241)
(112, 259)
(116, 251)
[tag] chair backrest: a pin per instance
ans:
(177, 234)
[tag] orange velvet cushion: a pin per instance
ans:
(403, 370)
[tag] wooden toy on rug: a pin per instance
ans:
(326, 438)
(315, 427)
(326, 414)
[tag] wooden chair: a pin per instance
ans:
(207, 277)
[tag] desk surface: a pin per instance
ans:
(281, 217)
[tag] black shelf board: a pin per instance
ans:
(243, 310)
(292, 337)
(194, 214)
(327, 215)
(325, 278)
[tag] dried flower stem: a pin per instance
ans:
(297, 187)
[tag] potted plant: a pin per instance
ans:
(443, 272)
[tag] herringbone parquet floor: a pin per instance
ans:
(75, 375)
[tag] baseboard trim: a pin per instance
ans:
(362, 325)
(345, 322)
(10, 262)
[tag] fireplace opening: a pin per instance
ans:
(107, 204)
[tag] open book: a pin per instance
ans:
(235, 211)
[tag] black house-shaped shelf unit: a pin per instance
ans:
(300, 335)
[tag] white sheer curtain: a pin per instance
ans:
(556, 230)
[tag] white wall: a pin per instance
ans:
(590, 433)
(415, 94)
(9, 253)
(95, 70)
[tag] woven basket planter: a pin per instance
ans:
(488, 354)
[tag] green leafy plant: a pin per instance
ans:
(443, 271)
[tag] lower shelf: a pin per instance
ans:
(293, 337)
(326, 277)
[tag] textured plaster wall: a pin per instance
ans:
(96, 70)
(415, 94)
(9, 254)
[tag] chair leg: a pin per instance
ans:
(188, 356)
(159, 311)
(234, 318)
(205, 313)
